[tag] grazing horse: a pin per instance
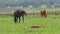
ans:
(43, 13)
(19, 13)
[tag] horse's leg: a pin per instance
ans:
(15, 19)
(45, 15)
(23, 19)
(41, 15)
(19, 19)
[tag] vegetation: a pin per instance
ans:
(51, 25)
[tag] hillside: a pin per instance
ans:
(26, 3)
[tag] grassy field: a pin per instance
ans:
(51, 25)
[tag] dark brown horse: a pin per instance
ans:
(18, 14)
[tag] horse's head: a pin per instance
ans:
(24, 12)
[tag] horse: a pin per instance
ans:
(43, 13)
(18, 14)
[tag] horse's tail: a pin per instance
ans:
(15, 19)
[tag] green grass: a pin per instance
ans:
(51, 24)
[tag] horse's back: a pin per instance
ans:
(19, 13)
